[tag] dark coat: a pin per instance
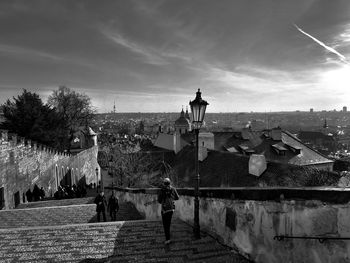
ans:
(166, 198)
(113, 204)
(101, 203)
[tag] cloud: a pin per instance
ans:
(149, 56)
(330, 49)
(19, 51)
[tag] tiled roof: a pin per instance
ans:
(308, 156)
(289, 144)
(221, 169)
(313, 135)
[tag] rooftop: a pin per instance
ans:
(295, 151)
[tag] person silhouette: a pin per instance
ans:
(101, 205)
(166, 198)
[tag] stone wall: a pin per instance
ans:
(250, 226)
(24, 164)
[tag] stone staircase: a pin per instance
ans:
(128, 241)
(66, 233)
(61, 215)
(54, 202)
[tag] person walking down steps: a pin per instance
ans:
(101, 205)
(166, 198)
(113, 206)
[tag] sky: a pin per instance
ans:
(153, 55)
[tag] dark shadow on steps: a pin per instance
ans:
(127, 211)
(143, 241)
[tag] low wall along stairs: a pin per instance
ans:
(251, 220)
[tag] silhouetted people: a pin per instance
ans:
(70, 192)
(42, 193)
(83, 191)
(166, 198)
(36, 193)
(60, 193)
(29, 195)
(101, 205)
(113, 206)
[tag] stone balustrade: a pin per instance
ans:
(249, 219)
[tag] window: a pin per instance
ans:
(62, 175)
(17, 198)
(2, 198)
(57, 177)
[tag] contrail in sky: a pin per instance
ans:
(332, 50)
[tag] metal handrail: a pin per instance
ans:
(320, 239)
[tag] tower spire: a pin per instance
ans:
(187, 116)
(325, 125)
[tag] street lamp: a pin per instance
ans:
(198, 107)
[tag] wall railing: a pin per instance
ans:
(320, 239)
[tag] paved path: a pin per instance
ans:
(61, 215)
(60, 232)
(129, 241)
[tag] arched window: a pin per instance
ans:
(62, 171)
(57, 177)
(72, 176)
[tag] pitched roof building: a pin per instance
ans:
(276, 145)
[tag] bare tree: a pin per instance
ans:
(75, 110)
(132, 169)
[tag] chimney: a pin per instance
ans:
(202, 153)
(276, 134)
(245, 133)
(257, 164)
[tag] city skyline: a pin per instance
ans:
(153, 56)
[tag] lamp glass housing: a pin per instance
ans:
(198, 107)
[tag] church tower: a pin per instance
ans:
(182, 124)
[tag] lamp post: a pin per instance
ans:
(198, 107)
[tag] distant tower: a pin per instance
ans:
(345, 109)
(114, 108)
(182, 124)
(311, 110)
(325, 125)
(187, 116)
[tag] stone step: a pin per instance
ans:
(127, 241)
(61, 215)
(54, 202)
